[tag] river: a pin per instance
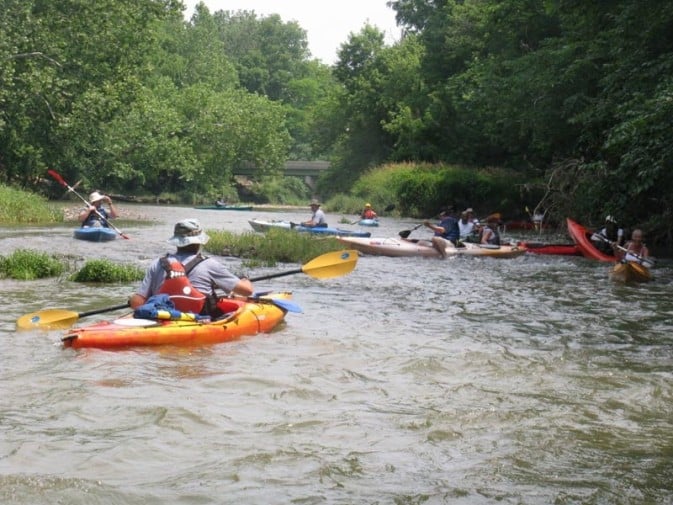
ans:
(533, 380)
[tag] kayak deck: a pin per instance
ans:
(397, 247)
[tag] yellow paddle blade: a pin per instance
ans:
(47, 319)
(58, 318)
(331, 264)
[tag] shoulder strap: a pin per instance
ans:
(195, 261)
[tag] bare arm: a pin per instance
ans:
(244, 287)
(113, 212)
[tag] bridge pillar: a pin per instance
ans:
(309, 180)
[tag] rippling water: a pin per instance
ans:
(529, 380)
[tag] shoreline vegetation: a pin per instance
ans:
(255, 249)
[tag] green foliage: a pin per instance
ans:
(26, 264)
(127, 94)
(422, 189)
(105, 271)
(284, 246)
(22, 207)
(281, 190)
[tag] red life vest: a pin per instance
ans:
(184, 296)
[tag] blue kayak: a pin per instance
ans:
(95, 234)
(328, 230)
(368, 222)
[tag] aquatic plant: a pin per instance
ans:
(275, 246)
(26, 264)
(105, 271)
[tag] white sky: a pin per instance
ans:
(327, 23)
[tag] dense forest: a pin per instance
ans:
(575, 96)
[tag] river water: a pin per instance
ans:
(533, 380)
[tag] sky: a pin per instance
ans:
(327, 24)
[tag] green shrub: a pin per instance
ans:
(420, 190)
(22, 207)
(25, 264)
(277, 245)
(105, 271)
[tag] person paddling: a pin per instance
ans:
(613, 233)
(188, 277)
(95, 214)
(317, 219)
(489, 233)
(634, 249)
(368, 212)
(446, 232)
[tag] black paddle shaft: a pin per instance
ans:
(406, 233)
(101, 311)
(273, 276)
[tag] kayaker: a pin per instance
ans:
(466, 226)
(636, 250)
(613, 233)
(95, 214)
(489, 232)
(446, 232)
(317, 217)
(368, 212)
(189, 277)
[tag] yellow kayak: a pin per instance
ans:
(630, 271)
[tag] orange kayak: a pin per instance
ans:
(247, 317)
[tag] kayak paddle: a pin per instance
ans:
(58, 318)
(62, 182)
(406, 233)
(325, 266)
(648, 262)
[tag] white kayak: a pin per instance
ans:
(263, 226)
(401, 247)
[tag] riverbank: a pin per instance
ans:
(131, 211)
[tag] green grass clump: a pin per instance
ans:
(23, 207)
(105, 271)
(25, 264)
(275, 246)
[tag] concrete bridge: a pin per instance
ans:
(309, 170)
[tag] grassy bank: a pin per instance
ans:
(23, 207)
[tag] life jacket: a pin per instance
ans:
(177, 286)
(94, 219)
(494, 237)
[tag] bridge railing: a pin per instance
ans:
(296, 168)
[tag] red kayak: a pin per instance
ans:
(558, 249)
(582, 238)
